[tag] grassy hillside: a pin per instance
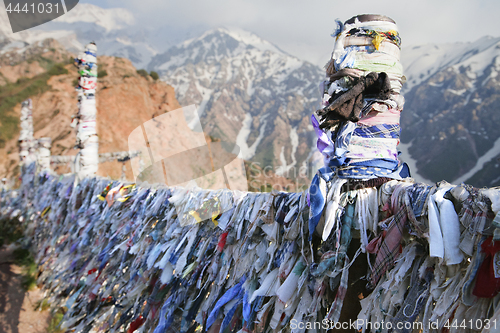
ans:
(12, 94)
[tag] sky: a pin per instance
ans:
(303, 28)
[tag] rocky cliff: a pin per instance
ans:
(42, 72)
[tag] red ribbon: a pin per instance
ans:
(136, 324)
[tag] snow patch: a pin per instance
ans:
(241, 140)
(173, 62)
(249, 38)
(206, 95)
(284, 168)
(488, 156)
(250, 88)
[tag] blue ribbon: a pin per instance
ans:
(316, 198)
(236, 291)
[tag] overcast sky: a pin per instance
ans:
(303, 28)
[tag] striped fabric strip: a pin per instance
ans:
(388, 131)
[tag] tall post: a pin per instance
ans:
(87, 139)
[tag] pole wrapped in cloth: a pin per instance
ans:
(361, 105)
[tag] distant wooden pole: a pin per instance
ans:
(87, 139)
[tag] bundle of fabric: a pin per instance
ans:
(87, 64)
(451, 281)
(123, 258)
(88, 158)
(24, 150)
(86, 136)
(358, 125)
(86, 68)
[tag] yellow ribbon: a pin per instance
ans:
(45, 211)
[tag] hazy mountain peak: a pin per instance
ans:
(109, 19)
(423, 61)
(250, 38)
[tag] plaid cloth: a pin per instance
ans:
(467, 212)
(336, 308)
(418, 194)
(387, 131)
(387, 245)
(476, 214)
(476, 217)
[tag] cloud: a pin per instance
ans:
(303, 28)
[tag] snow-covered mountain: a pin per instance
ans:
(449, 124)
(451, 116)
(253, 92)
(249, 92)
(423, 61)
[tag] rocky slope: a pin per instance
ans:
(125, 100)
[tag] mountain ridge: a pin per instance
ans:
(259, 92)
(431, 58)
(451, 117)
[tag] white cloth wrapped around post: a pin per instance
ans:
(86, 129)
(87, 109)
(444, 229)
(43, 147)
(90, 154)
